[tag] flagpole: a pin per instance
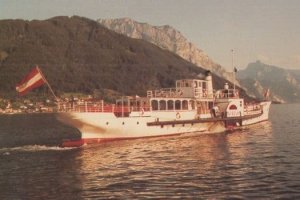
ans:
(37, 67)
(232, 51)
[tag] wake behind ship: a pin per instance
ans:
(192, 106)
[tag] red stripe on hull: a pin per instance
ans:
(73, 143)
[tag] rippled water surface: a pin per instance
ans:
(259, 162)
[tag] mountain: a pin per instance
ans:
(80, 55)
(284, 84)
(166, 37)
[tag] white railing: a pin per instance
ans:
(252, 109)
(202, 93)
(98, 107)
(164, 92)
(226, 94)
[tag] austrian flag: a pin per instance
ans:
(33, 80)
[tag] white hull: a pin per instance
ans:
(264, 117)
(106, 126)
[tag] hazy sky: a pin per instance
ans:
(266, 30)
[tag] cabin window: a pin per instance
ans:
(162, 105)
(145, 104)
(204, 85)
(192, 103)
(170, 105)
(177, 105)
(233, 107)
(200, 84)
(154, 105)
(184, 105)
(210, 105)
(195, 84)
(187, 84)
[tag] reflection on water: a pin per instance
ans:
(260, 161)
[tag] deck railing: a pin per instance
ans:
(252, 109)
(164, 92)
(226, 94)
(99, 107)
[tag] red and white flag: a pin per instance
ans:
(33, 80)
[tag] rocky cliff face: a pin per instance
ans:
(167, 38)
(284, 84)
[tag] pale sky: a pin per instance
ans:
(266, 30)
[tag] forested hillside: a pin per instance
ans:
(80, 55)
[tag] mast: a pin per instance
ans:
(233, 68)
(47, 83)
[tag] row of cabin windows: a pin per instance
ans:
(172, 105)
(196, 84)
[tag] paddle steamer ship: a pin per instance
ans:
(193, 106)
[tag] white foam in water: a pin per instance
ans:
(33, 148)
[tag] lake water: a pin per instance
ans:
(259, 162)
